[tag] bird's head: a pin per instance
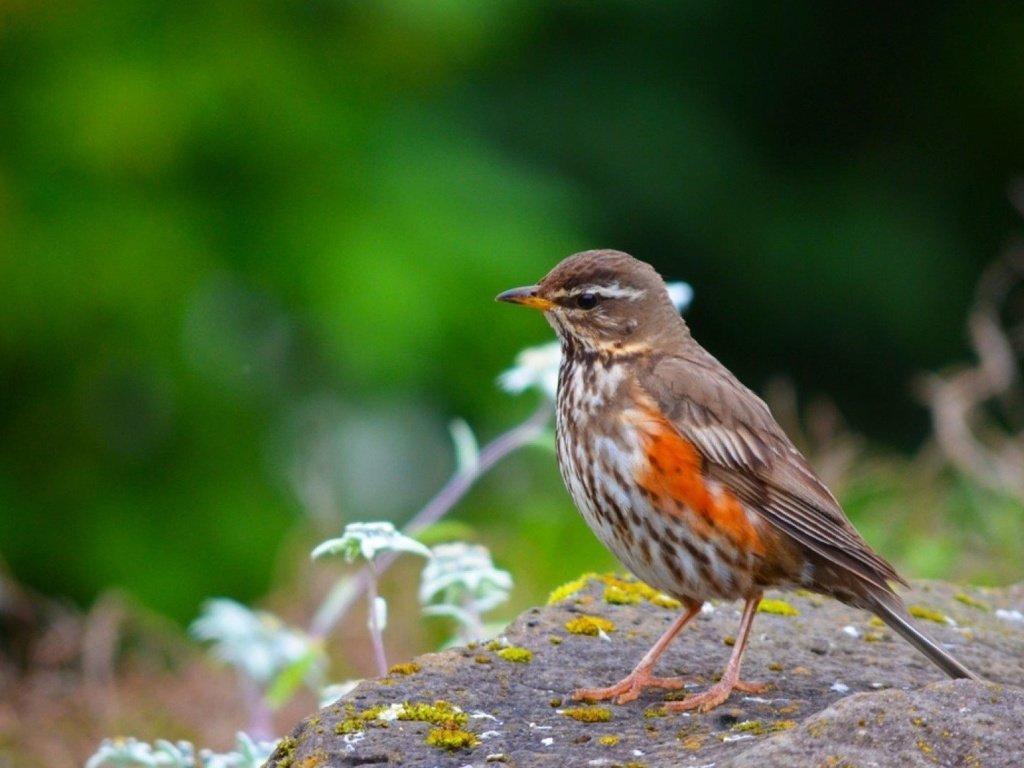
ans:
(602, 301)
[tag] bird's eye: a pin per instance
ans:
(586, 300)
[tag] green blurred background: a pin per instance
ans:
(249, 251)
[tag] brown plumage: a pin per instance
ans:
(683, 472)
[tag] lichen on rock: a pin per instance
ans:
(467, 705)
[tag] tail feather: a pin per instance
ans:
(892, 612)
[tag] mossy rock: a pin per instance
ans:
(842, 691)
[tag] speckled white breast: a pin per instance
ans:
(599, 456)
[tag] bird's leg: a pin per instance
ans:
(730, 681)
(630, 687)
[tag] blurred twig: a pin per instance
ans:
(978, 412)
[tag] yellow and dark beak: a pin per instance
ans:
(527, 297)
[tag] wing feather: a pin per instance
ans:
(747, 451)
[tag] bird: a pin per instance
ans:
(684, 474)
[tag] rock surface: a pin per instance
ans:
(844, 691)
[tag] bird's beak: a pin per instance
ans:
(527, 297)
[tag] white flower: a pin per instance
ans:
(131, 752)
(460, 571)
(248, 753)
(257, 643)
(681, 295)
(123, 753)
(537, 367)
(368, 540)
(461, 582)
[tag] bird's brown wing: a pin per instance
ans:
(746, 450)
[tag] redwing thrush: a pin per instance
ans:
(683, 473)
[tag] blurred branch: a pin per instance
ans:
(978, 412)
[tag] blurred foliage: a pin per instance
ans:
(249, 250)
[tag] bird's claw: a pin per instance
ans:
(714, 696)
(629, 688)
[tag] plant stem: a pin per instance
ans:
(261, 719)
(436, 508)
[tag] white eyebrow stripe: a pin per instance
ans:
(612, 291)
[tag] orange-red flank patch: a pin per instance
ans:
(674, 471)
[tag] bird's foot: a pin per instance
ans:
(714, 696)
(629, 688)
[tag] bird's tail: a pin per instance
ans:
(890, 609)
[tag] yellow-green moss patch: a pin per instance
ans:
(360, 721)
(778, 607)
(516, 655)
(929, 614)
(481, 659)
(554, 639)
(411, 668)
(569, 588)
(441, 713)
(655, 712)
(818, 728)
(451, 739)
(589, 625)
(588, 714)
(966, 599)
(608, 741)
(618, 596)
(692, 742)
(287, 749)
(664, 601)
(629, 591)
(760, 727)
(618, 590)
